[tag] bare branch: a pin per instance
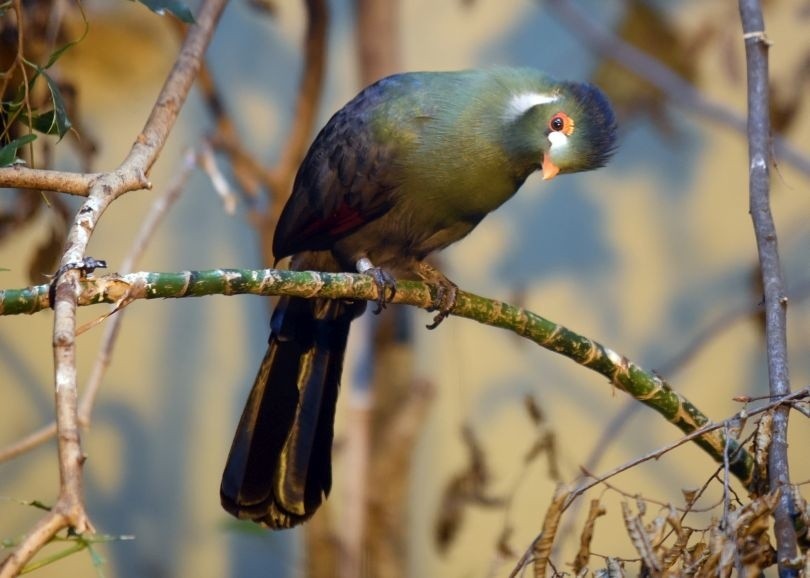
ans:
(21, 177)
(759, 135)
(131, 175)
(209, 164)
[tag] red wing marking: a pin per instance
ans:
(342, 220)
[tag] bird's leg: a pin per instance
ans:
(446, 291)
(382, 279)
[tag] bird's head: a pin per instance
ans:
(571, 128)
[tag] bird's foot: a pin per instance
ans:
(384, 281)
(446, 292)
(86, 266)
(446, 298)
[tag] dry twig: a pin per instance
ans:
(585, 486)
(759, 140)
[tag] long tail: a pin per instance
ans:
(279, 468)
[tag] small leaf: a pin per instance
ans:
(60, 121)
(174, 6)
(8, 154)
(56, 120)
(42, 122)
(46, 122)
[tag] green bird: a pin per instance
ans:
(410, 165)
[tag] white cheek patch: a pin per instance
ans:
(558, 140)
(522, 102)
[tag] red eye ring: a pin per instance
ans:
(561, 122)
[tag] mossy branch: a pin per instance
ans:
(622, 373)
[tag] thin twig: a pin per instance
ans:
(654, 455)
(208, 163)
(759, 137)
(677, 363)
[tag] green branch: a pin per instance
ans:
(622, 373)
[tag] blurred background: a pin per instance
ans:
(652, 256)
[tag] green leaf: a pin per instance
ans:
(56, 120)
(59, 121)
(44, 122)
(8, 153)
(174, 6)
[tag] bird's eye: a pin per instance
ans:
(561, 122)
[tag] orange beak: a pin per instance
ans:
(550, 170)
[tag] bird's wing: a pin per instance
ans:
(350, 173)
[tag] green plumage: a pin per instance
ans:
(430, 154)
(407, 167)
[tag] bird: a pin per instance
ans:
(408, 166)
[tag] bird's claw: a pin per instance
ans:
(385, 282)
(86, 265)
(446, 295)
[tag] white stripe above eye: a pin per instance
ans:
(522, 102)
